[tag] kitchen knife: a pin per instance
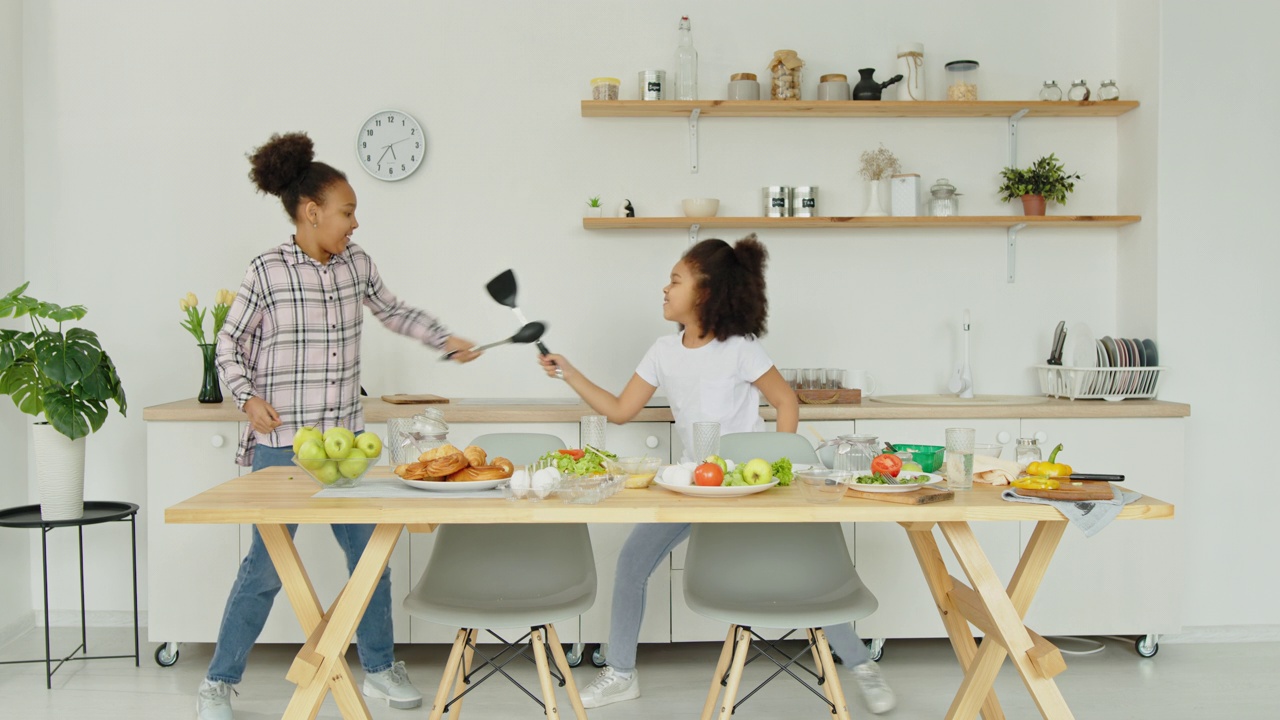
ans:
(1059, 339)
(1091, 476)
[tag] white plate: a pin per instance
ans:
(461, 486)
(934, 480)
(1083, 347)
(717, 490)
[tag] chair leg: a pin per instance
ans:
(450, 671)
(467, 653)
(829, 672)
(538, 640)
(570, 687)
(722, 665)
(742, 646)
(817, 661)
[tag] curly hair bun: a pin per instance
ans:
(751, 254)
(282, 162)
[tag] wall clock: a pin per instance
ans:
(391, 145)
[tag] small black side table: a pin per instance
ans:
(95, 513)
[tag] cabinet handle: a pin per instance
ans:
(217, 441)
(1003, 438)
(1041, 437)
(651, 441)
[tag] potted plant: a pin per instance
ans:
(210, 390)
(876, 166)
(67, 378)
(1044, 180)
(593, 207)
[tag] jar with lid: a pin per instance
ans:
(1027, 452)
(1109, 91)
(945, 201)
(744, 86)
(1079, 91)
(785, 68)
(410, 437)
(833, 86)
(962, 80)
(854, 453)
(1051, 91)
(605, 88)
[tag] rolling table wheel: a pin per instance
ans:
(573, 655)
(167, 654)
(1147, 645)
(597, 656)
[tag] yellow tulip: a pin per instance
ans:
(182, 304)
(225, 297)
(192, 300)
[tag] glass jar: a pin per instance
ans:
(854, 453)
(407, 438)
(945, 201)
(962, 80)
(785, 68)
(605, 88)
(1051, 91)
(1109, 91)
(1027, 452)
(1079, 91)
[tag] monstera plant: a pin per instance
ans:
(65, 376)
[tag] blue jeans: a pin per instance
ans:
(256, 586)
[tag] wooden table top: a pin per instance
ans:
(284, 495)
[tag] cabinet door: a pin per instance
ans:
(190, 568)
(1128, 578)
(884, 557)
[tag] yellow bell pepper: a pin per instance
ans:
(1036, 483)
(1050, 468)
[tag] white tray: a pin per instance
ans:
(1117, 383)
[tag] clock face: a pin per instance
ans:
(391, 145)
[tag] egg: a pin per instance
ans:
(544, 481)
(678, 475)
(520, 479)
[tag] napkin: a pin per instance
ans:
(1088, 515)
(994, 471)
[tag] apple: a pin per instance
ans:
(369, 444)
(757, 472)
(724, 466)
(338, 446)
(335, 431)
(305, 434)
(354, 464)
(709, 474)
(328, 472)
(311, 455)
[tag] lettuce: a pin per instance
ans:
(782, 470)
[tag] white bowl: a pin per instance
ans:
(700, 207)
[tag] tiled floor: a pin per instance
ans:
(1235, 681)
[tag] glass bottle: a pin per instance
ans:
(945, 201)
(1051, 91)
(1079, 91)
(1109, 91)
(1027, 452)
(686, 64)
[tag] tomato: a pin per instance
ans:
(708, 473)
(575, 454)
(886, 465)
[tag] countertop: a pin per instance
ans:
(528, 410)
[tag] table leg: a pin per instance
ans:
(329, 635)
(84, 633)
(48, 650)
(133, 536)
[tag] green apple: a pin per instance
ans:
(305, 434)
(355, 464)
(328, 473)
(757, 472)
(311, 455)
(336, 431)
(338, 446)
(724, 466)
(369, 444)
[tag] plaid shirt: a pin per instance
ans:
(292, 338)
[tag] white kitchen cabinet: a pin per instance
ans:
(190, 568)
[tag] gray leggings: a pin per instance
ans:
(640, 556)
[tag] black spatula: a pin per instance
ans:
(503, 289)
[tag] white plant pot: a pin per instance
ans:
(60, 472)
(592, 211)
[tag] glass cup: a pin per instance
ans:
(820, 379)
(959, 462)
(988, 449)
(835, 379)
(706, 440)
(789, 375)
(591, 429)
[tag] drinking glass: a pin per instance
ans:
(789, 375)
(959, 460)
(820, 379)
(706, 440)
(591, 429)
(835, 379)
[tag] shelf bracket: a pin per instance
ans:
(693, 233)
(1011, 250)
(1013, 136)
(693, 140)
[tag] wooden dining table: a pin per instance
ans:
(273, 498)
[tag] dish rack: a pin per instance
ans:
(1117, 383)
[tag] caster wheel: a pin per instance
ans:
(1147, 646)
(164, 658)
(573, 654)
(597, 657)
(875, 648)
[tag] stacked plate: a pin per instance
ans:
(1124, 353)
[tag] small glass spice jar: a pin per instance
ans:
(945, 201)
(1079, 91)
(1027, 452)
(744, 86)
(1051, 92)
(962, 80)
(1109, 91)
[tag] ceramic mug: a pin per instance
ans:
(862, 380)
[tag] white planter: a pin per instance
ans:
(60, 471)
(592, 211)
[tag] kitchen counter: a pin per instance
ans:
(530, 410)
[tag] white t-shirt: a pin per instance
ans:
(713, 382)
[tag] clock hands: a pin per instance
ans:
(390, 148)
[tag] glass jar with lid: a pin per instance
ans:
(1079, 91)
(1027, 452)
(407, 438)
(945, 201)
(1051, 91)
(962, 80)
(1109, 91)
(854, 453)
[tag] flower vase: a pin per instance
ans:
(210, 391)
(874, 208)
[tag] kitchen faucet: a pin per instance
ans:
(962, 381)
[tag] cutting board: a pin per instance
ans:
(1086, 490)
(830, 397)
(403, 399)
(919, 497)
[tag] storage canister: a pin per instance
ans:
(962, 80)
(804, 201)
(904, 195)
(652, 84)
(744, 86)
(777, 201)
(605, 88)
(833, 86)
(945, 202)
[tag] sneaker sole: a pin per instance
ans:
(391, 702)
(630, 695)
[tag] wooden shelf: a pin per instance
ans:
(854, 108)
(1000, 221)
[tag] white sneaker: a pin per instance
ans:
(393, 686)
(609, 687)
(213, 702)
(876, 693)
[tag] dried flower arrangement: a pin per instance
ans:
(879, 164)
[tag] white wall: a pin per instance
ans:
(1218, 295)
(15, 592)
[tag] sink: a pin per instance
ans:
(942, 399)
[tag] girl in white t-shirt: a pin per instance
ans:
(714, 369)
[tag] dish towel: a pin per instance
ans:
(1088, 515)
(994, 471)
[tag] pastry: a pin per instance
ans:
(447, 465)
(475, 455)
(483, 472)
(504, 463)
(439, 452)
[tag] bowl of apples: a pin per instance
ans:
(336, 457)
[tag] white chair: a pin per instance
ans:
(741, 447)
(490, 576)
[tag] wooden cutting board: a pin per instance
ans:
(918, 497)
(830, 397)
(403, 399)
(1070, 491)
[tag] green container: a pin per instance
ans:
(929, 456)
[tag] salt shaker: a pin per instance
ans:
(1027, 452)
